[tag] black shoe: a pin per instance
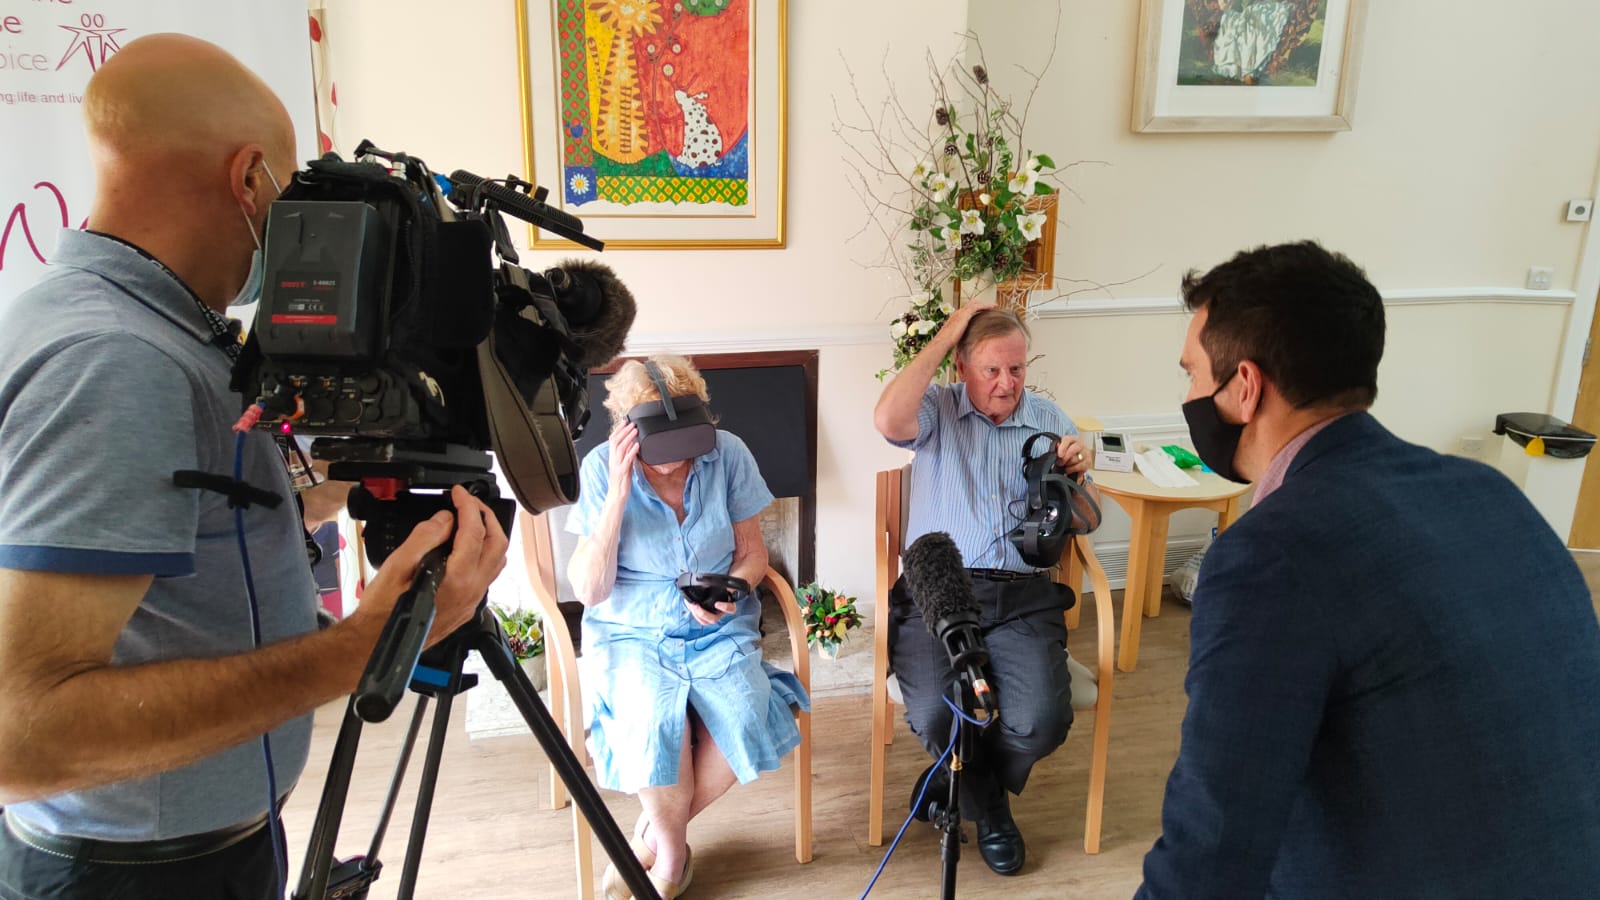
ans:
(1000, 841)
(937, 780)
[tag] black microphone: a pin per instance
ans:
(530, 209)
(598, 307)
(941, 587)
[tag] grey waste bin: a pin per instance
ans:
(1560, 439)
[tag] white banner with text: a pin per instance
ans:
(48, 51)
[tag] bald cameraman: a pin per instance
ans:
(130, 764)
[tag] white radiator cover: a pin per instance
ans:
(1113, 556)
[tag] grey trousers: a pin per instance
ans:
(1023, 628)
(243, 871)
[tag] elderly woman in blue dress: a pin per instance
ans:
(680, 704)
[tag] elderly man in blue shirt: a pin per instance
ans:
(967, 480)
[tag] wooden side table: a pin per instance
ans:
(1150, 506)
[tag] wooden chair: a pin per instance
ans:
(566, 698)
(893, 492)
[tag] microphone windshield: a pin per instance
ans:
(937, 579)
(598, 307)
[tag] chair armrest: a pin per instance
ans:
(539, 556)
(1104, 614)
(783, 595)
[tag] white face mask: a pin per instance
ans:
(251, 291)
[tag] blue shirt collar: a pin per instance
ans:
(143, 277)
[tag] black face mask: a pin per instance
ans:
(1214, 440)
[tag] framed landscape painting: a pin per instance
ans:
(1247, 65)
(659, 123)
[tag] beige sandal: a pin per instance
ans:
(614, 887)
(668, 890)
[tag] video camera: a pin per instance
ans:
(395, 319)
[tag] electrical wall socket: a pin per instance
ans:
(1539, 278)
(1580, 210)
(1471, 445)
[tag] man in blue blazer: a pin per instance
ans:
(1394, 675)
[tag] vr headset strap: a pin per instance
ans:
(661, 385)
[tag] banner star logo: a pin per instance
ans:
(96, 41)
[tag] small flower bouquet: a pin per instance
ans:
(829, 617)
(524, 631)
(525, 634)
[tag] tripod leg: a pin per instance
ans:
(424, 806)
(398, 777)
(496, 654)
(330, 809)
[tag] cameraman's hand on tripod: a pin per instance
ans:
(477, 555)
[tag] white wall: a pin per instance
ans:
(1471, 132)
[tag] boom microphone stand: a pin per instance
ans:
(948, 819)
(392, 510)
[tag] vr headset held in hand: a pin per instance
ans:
(1043, 533)
(707, 589)
(672, 428)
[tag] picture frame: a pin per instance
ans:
(1247, 65)
(661, 124)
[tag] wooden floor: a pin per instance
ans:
(492, 835)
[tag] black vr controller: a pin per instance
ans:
(707, 589)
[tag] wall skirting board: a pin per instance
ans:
(805, 337)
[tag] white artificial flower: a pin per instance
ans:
(984, 199)
(1032, 165)
(971, 222)
(946, 307)
(920, 171)
(897, 329)
(923, 326)
(941, 185)
(1031, 224)
(1023, 182)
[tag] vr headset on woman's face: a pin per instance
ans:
(672, 428)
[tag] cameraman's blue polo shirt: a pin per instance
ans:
(108, 384)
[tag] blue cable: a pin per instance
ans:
(279, 855)
(955, 735)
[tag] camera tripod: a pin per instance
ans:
(391, 511)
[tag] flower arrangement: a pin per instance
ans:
(829, 616)
(524, 631)
(968, 202)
